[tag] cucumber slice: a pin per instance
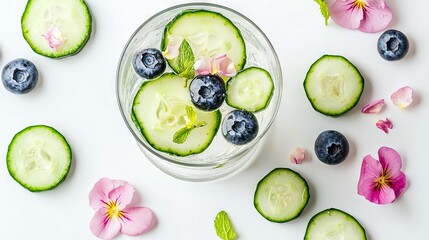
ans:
(66, 23)
(39, 158)
(334, 224)
(333, 85)
(250, 90)
(281, 195)
(159, 108)
(208, 33)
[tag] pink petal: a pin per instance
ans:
(137, 220)
(399, 182)
(370, 170)
(373, 107)
(172, 49)
(225, 66)
(102, 227)
(390, 160)
(403, 97)
(346, 14)
(203, 66)
(122, 195)
(384, 125)
(377, 15)
(98, 196)
(384, 196)
(297, 156)
(54, 37)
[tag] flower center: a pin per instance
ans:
(113, 211)
(360, 3)
(383, 181)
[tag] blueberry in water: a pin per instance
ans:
(19, 76)
(331, 147)
(392, 45)
(240, 127)
(149, 63)
(207, 92)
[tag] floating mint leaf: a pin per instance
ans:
(324, 10)
(223, 226)
(180, 136)
(185, 61)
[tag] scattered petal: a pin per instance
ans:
(221, 65)
(382, 182)
(54, 37)
(403, 97)
(172, 49)
(203, 66)
(384, 125)
(373, 107)
(364, 15)
(297, 156)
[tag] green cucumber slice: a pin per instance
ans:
(250, 90)
(39, 158)
(333, 85)
(70, 19)
(281, 195)
(334, 224)
(209, 34)
(159, 108)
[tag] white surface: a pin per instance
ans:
(76, 95)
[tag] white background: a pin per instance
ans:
(76, 95)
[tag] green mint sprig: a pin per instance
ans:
(324, 10)
(180, 136)
(223, 227)
(185, 61)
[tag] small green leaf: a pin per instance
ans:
(324, 10)
(180, 136)
(223, 226)
(185, 61)
(191, 115)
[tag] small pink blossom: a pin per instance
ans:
(364, 15)
(297, 156)
(54, 37)
(373, 107)
(403, 97)
(382, 181)
(221, 64)
(172, 49)
(111, 199)
(384, 125)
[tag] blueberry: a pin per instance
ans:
(19, 76)
(149, 63)
(207, 92)
(331, 147)
(240, 127)
(392, 45)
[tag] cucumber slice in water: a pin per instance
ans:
(334, 224)
(39, 158)
(208, 33)
(56, 28)
(281, 195)
(333, 85)
(250, 90)
(159, 108)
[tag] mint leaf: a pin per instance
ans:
(223, 226)
(324, 10)
(180, 136)
(185, 61)
(191, 115)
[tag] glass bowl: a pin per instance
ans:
(221, 158)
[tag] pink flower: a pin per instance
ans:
(403, 97)
(364, 15)
(384, 125)
(110, 199)
(373, 107)
(297, 156)
(221, 64)
(54, 37)
(382, 181)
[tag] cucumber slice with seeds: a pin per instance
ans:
(159, 108)
(56, 28)
(209, 34)
(250, 90)
(39, 158)
(334, 224)
(281, 195)
(333, 85)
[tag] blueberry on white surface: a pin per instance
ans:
(19, 76)
(240, 127)
(149, 63)
(207, 92)
(331, 147)
(392, 45)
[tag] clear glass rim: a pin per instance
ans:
(199, 4)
